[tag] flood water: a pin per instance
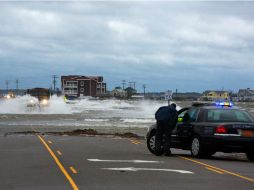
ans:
(85, 113)
(79, 113)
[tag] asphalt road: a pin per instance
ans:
(85, 162)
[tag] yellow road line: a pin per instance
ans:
(213, 170)
(221, 170)
(73, 170)
(135, 141)
(34, 130)
(59, 153)
(64, 171)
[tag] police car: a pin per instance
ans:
(206, 128)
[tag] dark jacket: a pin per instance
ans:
(167, 114)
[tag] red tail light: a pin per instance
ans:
(221, 129)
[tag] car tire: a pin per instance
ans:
(150, 142)
(198, 149)
(250, 155)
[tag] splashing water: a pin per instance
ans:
(80, 113)
(19, 105)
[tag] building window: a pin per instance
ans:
(71, 83)
(82, 83)
(81, 89)
(69, 91)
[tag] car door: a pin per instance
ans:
(185, 128)
(175, 141)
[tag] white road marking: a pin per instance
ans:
(132, 169)
(125, 161)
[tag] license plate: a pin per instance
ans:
(246, 133)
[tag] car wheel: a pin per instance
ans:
(150, 142)
(198, 150)
(250, 155)
(195, 147)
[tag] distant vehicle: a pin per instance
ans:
(10, 95)
(208, 128)
(42, 96)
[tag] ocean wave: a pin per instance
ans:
(137, 120)
(96, 120)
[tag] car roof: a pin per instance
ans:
(220, 107)
(214, 105)
(202, 104)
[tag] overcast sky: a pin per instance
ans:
(191, 46)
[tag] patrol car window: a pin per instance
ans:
(224, 115)
(243, 116)
(191, 115)
(182, 114)
(201, 115)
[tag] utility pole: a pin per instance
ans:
(54, 83)
(144, 87)
(132, 85)
(123, 82)
(7, 85)
(123, 95)
(17, 86)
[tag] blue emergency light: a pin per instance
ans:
(224, 104)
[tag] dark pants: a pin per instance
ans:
(163, 129)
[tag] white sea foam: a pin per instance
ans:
(110, 104)
(137, 120)
(122, 108)
(84, 113)
(57, 106)
(96, 120)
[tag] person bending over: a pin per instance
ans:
(166, 117)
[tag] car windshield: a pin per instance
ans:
(228, 115)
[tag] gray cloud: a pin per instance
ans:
(185, 45)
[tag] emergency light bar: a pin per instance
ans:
(226, 104)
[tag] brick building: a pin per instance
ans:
(78, 86)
